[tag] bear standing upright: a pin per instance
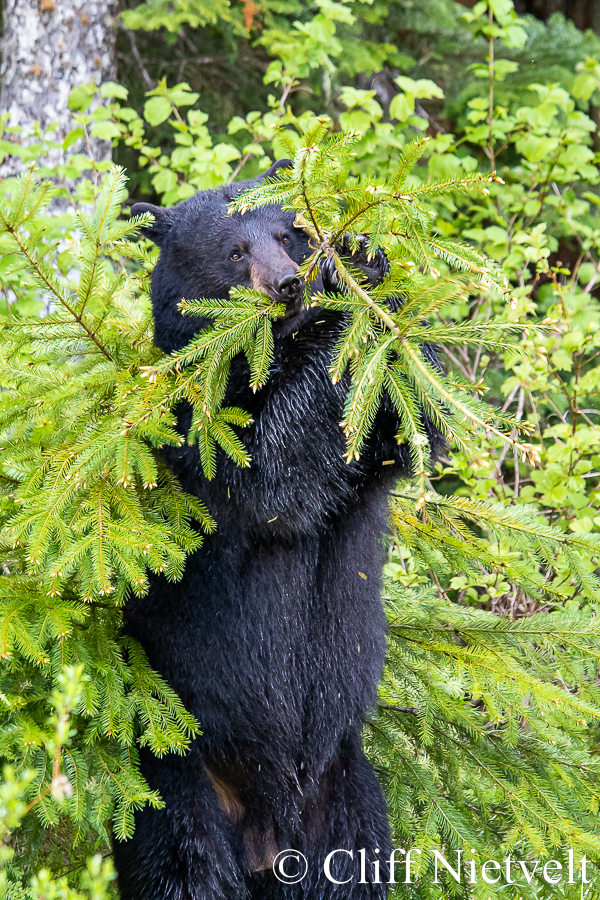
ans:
(275, 636)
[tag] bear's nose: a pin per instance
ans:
(289, 287)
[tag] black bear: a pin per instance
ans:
(275, 637)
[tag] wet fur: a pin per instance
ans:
(275, 637)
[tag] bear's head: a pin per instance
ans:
(205, 252)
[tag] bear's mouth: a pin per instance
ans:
(293, 307)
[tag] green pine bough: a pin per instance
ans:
(486, 730)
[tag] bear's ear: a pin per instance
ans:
(278, 164)
(163, 221)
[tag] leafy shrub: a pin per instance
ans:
(486, 732)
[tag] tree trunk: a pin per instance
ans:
(48, 48)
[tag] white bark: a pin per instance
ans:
(48, 48)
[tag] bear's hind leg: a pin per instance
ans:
(348, 814)
(188, 850)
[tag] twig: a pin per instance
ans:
(242, 162)
(456, 361)
(491, 153)
(518, 414)
(350, 282)
(138, 58)
(392, 708)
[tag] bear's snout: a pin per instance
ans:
(290, 289)
(289, 286)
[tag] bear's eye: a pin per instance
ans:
(285, 239)
(235, 255)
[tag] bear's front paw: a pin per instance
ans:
(329, 276)
(375, 269)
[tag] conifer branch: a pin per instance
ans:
(527, 451)
(356, 288)
(33, 262)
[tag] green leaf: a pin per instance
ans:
(106, 130)
(157, 110)
(402, 107)
(584, 86)
(74, 135)
(110, 89)
(81, 97)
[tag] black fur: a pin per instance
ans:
(275, 636)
